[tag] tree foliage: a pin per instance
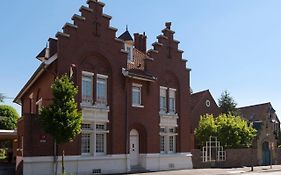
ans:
(227, 104)
(61, 119)
(232, 131)
(2, 97)
(8, 117)
(207, 127)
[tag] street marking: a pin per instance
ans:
(234, 172)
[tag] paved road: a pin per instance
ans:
(265, 173)
(276, 170)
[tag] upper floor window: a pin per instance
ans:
(101, 89)
(163, 99)
(39, 105)
(129, 49)
(172, 100)
(136, 95)
(87, 87)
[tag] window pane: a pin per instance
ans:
(136, 96)
(171, 143)
(101, 91)
(87, 90)
(162, 143)
(163, 106)
(100, 143)
(100, 126)
(172, 105)
(85, 143)
(129, 49)
(85, 126)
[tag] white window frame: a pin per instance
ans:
(31, 103)
(84, 75)
(90, 132)
(134, 87)
(93, 131)
(163, 93)
(172, 95)
(167, 133)
(103, 101)
(39, 105)
(130, 56)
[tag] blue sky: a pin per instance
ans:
(229, 45)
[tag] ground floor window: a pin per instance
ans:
(168, 140)
(93, 138)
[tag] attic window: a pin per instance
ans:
(129, 49)
(208, 103)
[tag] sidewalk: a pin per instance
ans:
(218, 171)
(263, 168)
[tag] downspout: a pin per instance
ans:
(126, 127)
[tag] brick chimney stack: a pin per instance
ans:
(140, 42)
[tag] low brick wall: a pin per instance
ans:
(278, 156)
(234, 158)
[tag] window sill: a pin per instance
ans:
(169, 115)
(137, 106)
(86, 154)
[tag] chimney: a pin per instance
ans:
(140, 42)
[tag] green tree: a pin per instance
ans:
(232, 131)
(227, 104)
(2, 97)
(207, 127)
(61, 119)
(8, 117)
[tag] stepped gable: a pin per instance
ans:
(90, 34)
(93, 15)
(166, 44)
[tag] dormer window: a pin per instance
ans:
(129, 49)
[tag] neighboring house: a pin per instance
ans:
(134, 102)
(266, 122)
(202, 103)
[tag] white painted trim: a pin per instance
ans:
(39, 159)
(50, 60)
(137, 106)
(87, 73)
(102, 76)
(163, 87)
(109, 164)
(137, 85)
(172, 89)
(39, 101)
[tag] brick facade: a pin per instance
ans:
(90, 44)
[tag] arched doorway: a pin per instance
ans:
(265, 154)
(134, 147)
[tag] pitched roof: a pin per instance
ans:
(126, 36)
(138, 61)
(256, 112)
(197, 97)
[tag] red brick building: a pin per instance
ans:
(267, 124)
(202, 103)
(134, 102)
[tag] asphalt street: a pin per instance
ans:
(275, 170)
